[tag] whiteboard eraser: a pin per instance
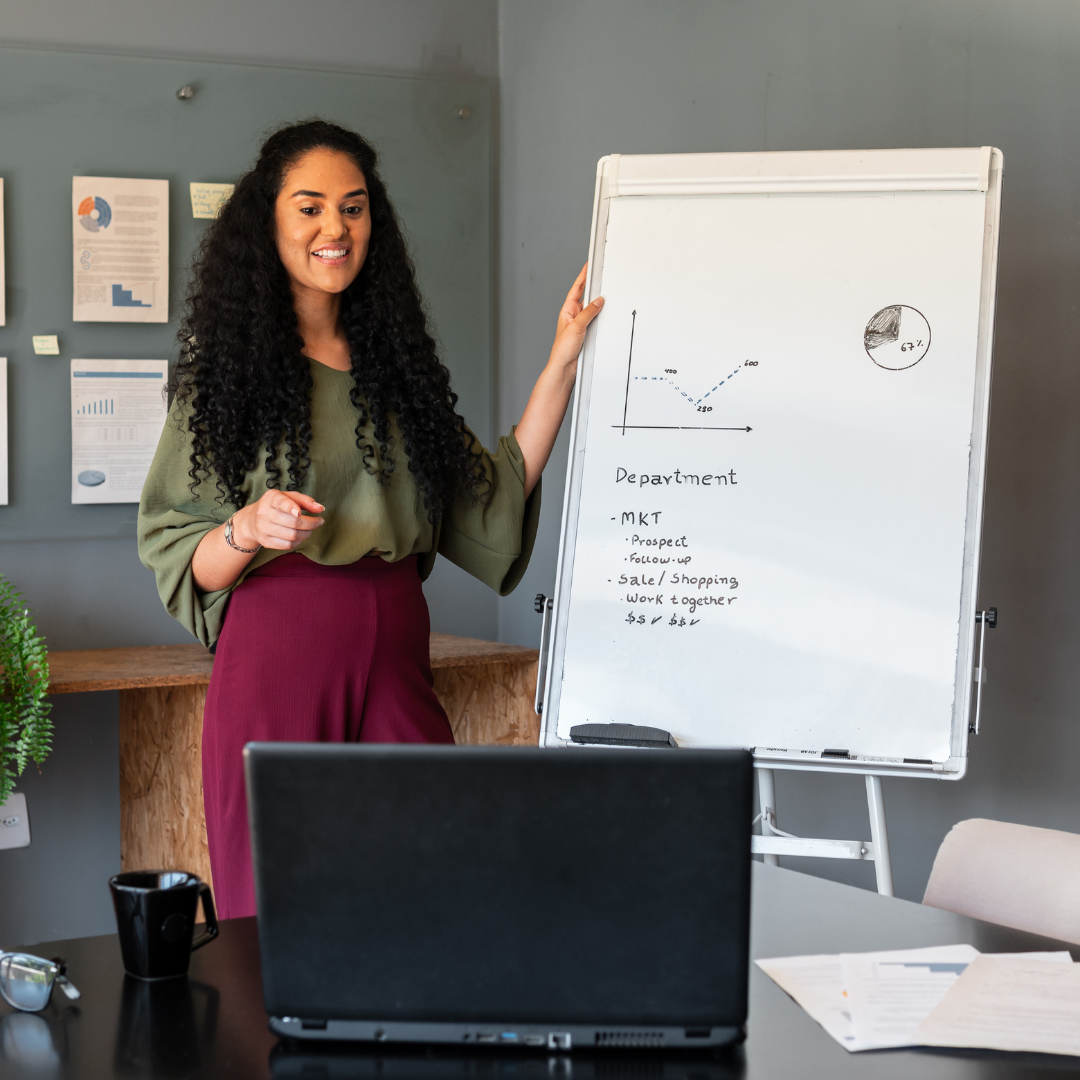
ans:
(622, 735)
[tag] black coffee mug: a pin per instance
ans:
(155, 917)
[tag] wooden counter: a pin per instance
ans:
(486, 688)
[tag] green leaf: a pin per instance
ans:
(26, 728)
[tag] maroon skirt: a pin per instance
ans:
(310, 653)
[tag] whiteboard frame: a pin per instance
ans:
(811, 172)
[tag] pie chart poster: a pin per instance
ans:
(120, 249)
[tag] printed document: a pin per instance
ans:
(869, 1001)
(1009, 1004)
(817, 984)
(120, 248)
(890, 993)
(117, 414)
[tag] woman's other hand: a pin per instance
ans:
(276, 520)
(543, 416)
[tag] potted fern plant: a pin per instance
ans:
(25, 727)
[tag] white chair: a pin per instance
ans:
(1013, 875)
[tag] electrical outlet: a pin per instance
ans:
(14, 823)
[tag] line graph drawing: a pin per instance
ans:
(689, 397)
(697, 403)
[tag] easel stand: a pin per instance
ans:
(774, 842)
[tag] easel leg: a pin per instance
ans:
(767, 799)
(879, 834)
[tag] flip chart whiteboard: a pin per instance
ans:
(772, 518)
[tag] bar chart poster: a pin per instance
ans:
(120, 249)
(117, 414)
(3, 433)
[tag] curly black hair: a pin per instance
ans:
(242, 367)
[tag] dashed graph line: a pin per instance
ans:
(689, 397)
(668, 427)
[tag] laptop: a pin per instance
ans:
(504, 896)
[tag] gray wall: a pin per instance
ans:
(57, 887)
(395, 37)
(93, 593)
(585, 78)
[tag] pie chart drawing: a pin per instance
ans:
(897, 337)
(91, 477)
(94, 213)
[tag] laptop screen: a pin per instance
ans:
(462, 884)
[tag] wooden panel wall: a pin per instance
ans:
(490, 703)
(162, 825)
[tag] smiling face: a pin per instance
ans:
(323, 224)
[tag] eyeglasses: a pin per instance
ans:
(26, 981)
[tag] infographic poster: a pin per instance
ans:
(120, 247)
(117, 414)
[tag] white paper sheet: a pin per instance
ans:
(117, 413)
(817, 984)
(3, 283)
(889, 993)
(1009, 1004)
(120, 248)
(3, 433)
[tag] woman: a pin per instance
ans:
(312, 467)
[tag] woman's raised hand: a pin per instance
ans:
(544, 413)
(570, 328)
(277, 521)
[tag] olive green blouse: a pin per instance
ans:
(490, 539)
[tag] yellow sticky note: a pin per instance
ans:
(46, 345)
(206, 199)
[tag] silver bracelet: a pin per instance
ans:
(232, 544)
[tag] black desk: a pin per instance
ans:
(214, 1025)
